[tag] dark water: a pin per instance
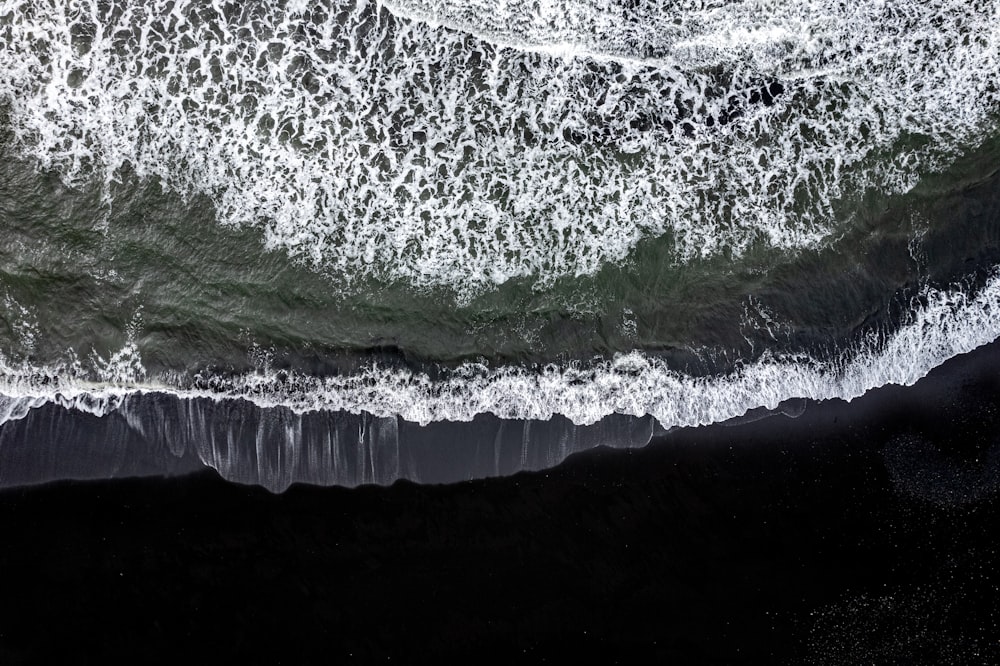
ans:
(205, 293)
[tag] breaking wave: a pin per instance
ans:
(943, 324)
(460, 145)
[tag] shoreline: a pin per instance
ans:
(860, 531)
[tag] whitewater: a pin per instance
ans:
(373, 145)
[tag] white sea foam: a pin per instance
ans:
(462, 144)
(943, 324)
(22, 323)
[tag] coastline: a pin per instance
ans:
(859, 531)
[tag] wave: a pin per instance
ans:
(275, 428)
(375, 146)
(943, 324)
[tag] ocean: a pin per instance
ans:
(320, 229)
(349, 243)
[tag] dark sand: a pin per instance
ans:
(855, 533)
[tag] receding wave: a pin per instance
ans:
(459, 145)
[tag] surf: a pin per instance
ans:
(414, 143)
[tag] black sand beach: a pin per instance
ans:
(855, 533)
(346, 331)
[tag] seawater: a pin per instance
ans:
(438, 212)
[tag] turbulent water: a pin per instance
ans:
(372, 223)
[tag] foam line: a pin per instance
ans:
(944, 323)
